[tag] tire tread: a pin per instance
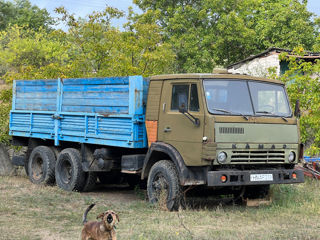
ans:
(49, 161)
(169, 169)
(79, 178)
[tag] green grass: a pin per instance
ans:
(30, 211)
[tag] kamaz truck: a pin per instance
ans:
(223, 131)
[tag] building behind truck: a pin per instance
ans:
(234, 133)
(260, 64)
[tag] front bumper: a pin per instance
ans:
(249, 177)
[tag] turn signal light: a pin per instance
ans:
(294, 175)
(223, 178)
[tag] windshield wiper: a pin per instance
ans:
(265, 112)
(269, 113)
(230, 112)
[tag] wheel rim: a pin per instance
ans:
(37, 168)
(159, 184)
(66, 172)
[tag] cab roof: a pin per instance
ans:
(210, 76)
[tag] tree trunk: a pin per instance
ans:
(6, 167)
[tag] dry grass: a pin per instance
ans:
(29, 211)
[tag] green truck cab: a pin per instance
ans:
(222, 130)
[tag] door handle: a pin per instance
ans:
(167, 129)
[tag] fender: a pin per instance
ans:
(186, 175)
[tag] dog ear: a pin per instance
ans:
(101, 215)
(117, 217)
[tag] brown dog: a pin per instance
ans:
(102, 230)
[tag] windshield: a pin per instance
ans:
(242, 97)
(269, 99)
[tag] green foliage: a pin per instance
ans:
(144, 51)
(29, 54)
(284, 24)
(22, 13)
(92, 42)
(5, 102)
(219, 32)
(302, 80)
(98, 49)
(90, 48)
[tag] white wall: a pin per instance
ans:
(258, 67)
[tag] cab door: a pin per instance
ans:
(174, 127)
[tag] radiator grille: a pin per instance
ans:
(255, 156)
(231, 130)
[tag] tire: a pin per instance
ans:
(90, 181)
(163, 176)
(69, 173)
(41, 166)
(31, 145)
(254, 192)
(55, 151)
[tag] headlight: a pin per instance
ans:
(222, 157)
(292, 157)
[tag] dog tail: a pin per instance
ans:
(84, 217)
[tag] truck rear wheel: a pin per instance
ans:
(163, 183)
(41, 165)
(69, 173)
(90, 181)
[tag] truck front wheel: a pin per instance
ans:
(69, 173)
(41, 165)
(163, 185)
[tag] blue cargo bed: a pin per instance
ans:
(105, 111)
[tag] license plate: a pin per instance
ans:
(261, 177)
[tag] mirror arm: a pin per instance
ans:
(193, 119)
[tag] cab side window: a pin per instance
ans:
(180, 94)
(182, 98)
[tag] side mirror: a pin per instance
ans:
(297, 109)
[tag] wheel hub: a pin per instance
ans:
(37, 168)
(159, 183)
(66, 173)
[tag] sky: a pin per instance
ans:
(84, 7)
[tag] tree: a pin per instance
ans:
(285, 24)
(205, 33)
(91, 48)
(302, 80)
(143, 49)
(22, 13)
(29, 54)
(99, 49)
